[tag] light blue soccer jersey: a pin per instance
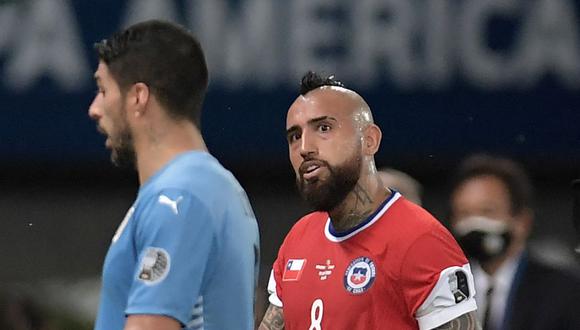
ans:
(187, 249)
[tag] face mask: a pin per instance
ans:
(481, 238)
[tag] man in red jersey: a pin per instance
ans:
(366, 258)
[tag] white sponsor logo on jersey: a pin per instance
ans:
(325, 270)
(164, 200)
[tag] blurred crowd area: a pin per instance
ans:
(20, 311)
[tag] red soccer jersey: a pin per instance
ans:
(399, 269)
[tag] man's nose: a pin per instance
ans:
(94, 110)
(308, 146)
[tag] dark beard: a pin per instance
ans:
(327, 195)
(123, 155)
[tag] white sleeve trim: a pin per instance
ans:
(273, 298)
(437, 319)
(440, 306)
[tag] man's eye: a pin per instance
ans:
(293, 137)
(324, 128)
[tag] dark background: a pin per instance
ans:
(61, 199)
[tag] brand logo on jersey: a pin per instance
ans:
(359, 275)
(293, 270)
(324, 270)
(123, 224)
(154, 266)
(164, 200)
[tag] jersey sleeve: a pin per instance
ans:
(173, 241)
(273, 290)
(436, 280)
(274, 283)
(276, 294)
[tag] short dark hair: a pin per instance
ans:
(512, 175)
(312, 80)
(164, 56)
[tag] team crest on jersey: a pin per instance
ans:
(154, 266)
(359, 275)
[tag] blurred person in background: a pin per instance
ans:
(367, 258)
(491, 216)
(187, 252)
(21, 313)
(402, 182)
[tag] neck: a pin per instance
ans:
(368, 194)
(159, 145)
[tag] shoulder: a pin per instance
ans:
(413, 215)
(172, 208)
(312, 223)
(415, 239)
(309, 222)
(188, 187)
(200, 175)
(413, 224)
(192, 169)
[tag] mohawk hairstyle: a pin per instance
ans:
(312, 80)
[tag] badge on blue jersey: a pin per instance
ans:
(359, 275)
(154, 266)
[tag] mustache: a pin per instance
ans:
(311, 162)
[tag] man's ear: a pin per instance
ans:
(524, 222)
(138, 97)
(371, 139)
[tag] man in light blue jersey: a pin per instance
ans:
(186, 253)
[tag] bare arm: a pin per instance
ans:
(467, 321)
(151, 322)
(273, 319)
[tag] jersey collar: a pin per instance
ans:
(334, 236)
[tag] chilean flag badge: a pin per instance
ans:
(293, 269)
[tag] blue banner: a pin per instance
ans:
(443, 77)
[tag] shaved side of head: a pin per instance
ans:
(361, 112)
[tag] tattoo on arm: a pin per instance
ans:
(273, 319)
(466, 321)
